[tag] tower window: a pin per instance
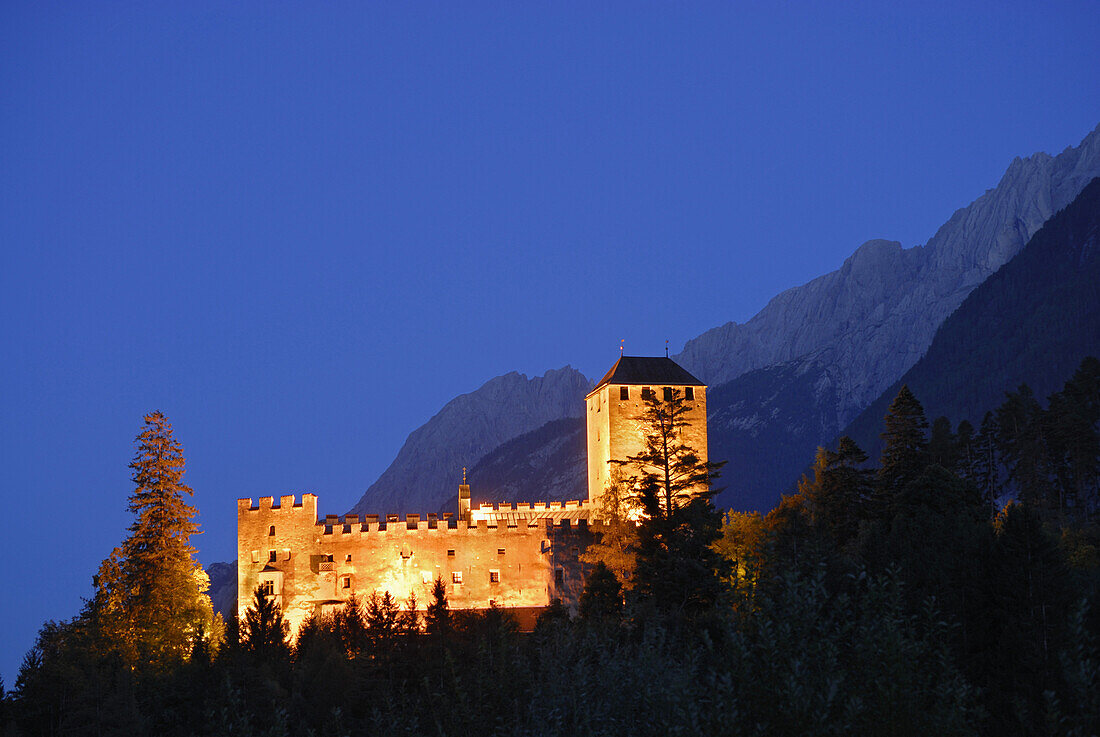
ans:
(271, 531)
(559, 576)
(272, 556)
(456, 577)
(347, 559)
(668, 393)
(689, 392)
(347, 582)
(624, 393)
(494, 576)
(500, 551)
(451, 553)
(647, 393)
(267, 588)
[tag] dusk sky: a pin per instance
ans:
(299, 230)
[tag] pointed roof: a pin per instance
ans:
(649, 371)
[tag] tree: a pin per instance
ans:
(678, 570)
(602, 598)
(263, 631)
(840, 491)
(904, 454)
(618, 541)
(1021, 444)
(150, 598)
(437, 618)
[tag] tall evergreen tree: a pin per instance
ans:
(1021, 445)
(984, 470)
(904, 455)
(150, 598)
(1073, 439)
(838, 495)
(678, 570)
(263, 631)
(437, 618)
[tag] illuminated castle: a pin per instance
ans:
(516, 556)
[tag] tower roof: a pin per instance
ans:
(647, 370)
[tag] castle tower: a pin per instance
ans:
(615, 404)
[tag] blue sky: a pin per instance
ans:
(299, 230)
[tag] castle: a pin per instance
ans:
(516, 556)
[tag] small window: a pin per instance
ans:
(347, 559)
(494, 576)
(668, 393)
(624, 393)
(267, 588)
(559, 576)
(500, 551)
(347, 582)
(451, 553)
(271, 531)
(273, 556)
(647, 393)
(328, 558)
(425, 577)
(456, 577)
(689, 392)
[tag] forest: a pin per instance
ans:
(948, 588)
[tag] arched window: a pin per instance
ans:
(271, 531)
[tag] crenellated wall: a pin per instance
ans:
(318, 563)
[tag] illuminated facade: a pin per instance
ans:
(516, 556)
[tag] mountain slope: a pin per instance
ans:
(1031, 322)
(428, 468)
(547, 464)
(875, 316)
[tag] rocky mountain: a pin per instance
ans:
(223, 588)
(791, 377)
(874, 317)
(425, 475)
(1033, 321)
(545, 465)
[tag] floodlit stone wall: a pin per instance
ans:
(314, 565)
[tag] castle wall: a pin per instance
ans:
(321, 563)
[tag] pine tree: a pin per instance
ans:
(263, 631)
(150, 598)
(984, 471)
(1021, 444)
(618, 541)
(437, 618)
(602, 598)
(838, 496)
(678, 570)
(904, 455)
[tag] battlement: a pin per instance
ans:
(576, 504)
(349, 525)
(288, 502)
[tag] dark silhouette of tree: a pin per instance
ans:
(904, 454)
(1073, 439)
(263, 631)
(437, 618)
(943, 444)
(1021, 445)
(150, 598)
(602, 598)
(840, 491)
(618, 541)
(678, 571)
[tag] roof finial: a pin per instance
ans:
(666, 348)
(621, 342)
(464, 475)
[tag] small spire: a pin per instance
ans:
(666, 349)
(463, 474)
(621, 342)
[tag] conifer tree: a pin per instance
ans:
(602, 598)
(437, 617)
(150, 600)
(838, 495)
(1021, 444)
(263, 631)
(904, 454)
(984, 470)
(677, 568)
(618, 541)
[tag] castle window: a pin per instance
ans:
(500, 551)
(273, 556)
(647, 393)
(267, 588)
(347, 559)
(425, 576)
(624, 393)
(456, 577)
(494, 576)
(271, 531)
(347, 582)
(689, 392)
(559, 576)
(450, 553)
(668, 393)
